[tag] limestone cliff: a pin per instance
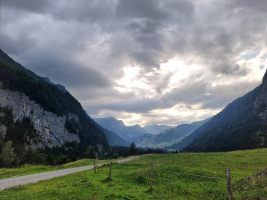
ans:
(49, 126)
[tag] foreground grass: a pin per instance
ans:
(32, 169)
(171, 177)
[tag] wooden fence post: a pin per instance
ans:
(95, 165)
(229, 184)
(110, 166)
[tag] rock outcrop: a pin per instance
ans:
(49, 126)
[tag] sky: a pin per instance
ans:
(142, 61)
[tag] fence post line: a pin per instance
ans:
(109, 175)
(229, 184)
(95, 165)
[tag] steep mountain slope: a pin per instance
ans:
(128, 133)
(155, 129)
(241, 125)
(37, 114)
(115, 140)
(169, 136)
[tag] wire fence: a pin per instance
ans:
(226, 180)
(152, 176)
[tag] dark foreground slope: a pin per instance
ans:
(241, 125)
(41, 116)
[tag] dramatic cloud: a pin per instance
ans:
(143, 61)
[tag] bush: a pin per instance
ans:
(7, 156)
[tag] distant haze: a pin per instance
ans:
(142, 61)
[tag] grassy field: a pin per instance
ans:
(172, 177)
(32, 169)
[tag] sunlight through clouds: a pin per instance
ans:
(143, 62)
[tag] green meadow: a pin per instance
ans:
(198, 176)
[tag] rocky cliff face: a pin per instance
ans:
(49, 126)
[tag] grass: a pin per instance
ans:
(170, 178)
(32, 169)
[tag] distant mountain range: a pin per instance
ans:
(169, 136)
(128, 133)
(241, 125)
(146, 136)
(155, 129)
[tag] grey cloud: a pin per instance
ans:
(11, 44)
(256, 5)
(62, 68)
(140, 9)
(191, 93)
(85, 44)
(85, 11)
(149, 23)
(229, 68)
(133, 106)
(222, 95)
(201, 92)
(162, 82)
(28, 5)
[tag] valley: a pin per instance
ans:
(173, 176)
(133, 100)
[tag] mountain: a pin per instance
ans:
(155, 129)
(128, 133)
(115, 140)
(169, 136)
(37, 115)
(241, 125)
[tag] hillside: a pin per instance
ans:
(241, 125)
(114, 139)
(39, 116)
(169, 136)
(174, 176)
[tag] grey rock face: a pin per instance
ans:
(49, 126)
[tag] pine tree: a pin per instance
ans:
(7, 156)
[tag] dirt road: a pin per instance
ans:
(34, 178)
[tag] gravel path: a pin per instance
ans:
(34, 178)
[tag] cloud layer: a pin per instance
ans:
(143, 61)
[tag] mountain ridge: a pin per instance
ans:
(241, 125)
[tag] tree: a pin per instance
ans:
(7, 156)
(90, 152)
(133, 149)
